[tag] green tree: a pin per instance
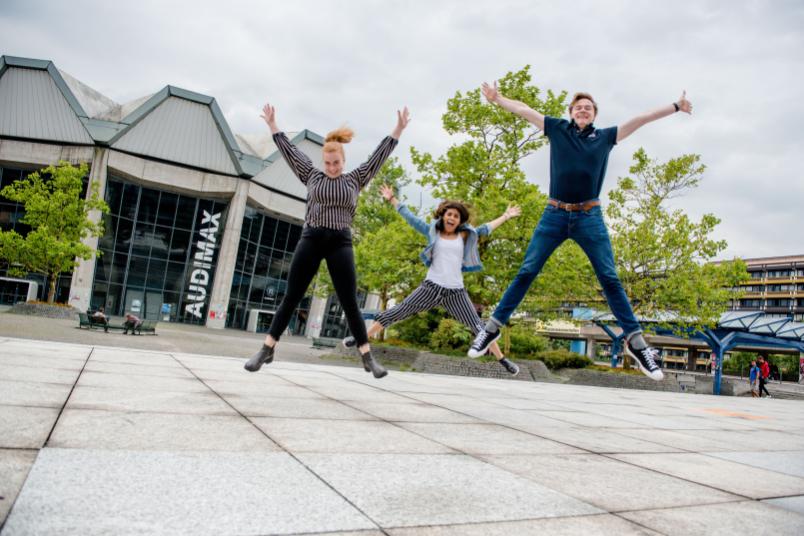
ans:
(59, 221)
(484, 170)
(664, 257)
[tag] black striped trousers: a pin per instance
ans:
(429, 295)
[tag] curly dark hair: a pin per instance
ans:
(462, 209)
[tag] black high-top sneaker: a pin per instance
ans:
(646, 359)
(509, 365)
(482, 342)
(265, 355)
(371, 364)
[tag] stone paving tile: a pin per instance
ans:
(138, 400)
(50, 395)
(515, 417)
(300, 408)
(596, 440)
(488, 439)
(608, 484)
(412, 412)
(591, 420)
(91, 492)
(351, 391)
(442, 490)
(326, 436)
(36, 374)
(20, 360)
(14, 467)
(88, 429)
(590, 525)
(721, 520)
(168, 371)
(683, 439)
(729, 476)
(256, 389)
(794, 504)
(25, 427)
(757, 440)
(141, 381)
(40, 349)
(135, 356)
(789, 463)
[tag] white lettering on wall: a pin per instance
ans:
(204, 251)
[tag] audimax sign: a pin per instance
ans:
(202, 264)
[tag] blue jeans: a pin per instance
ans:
(588, 229)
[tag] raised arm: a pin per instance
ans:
(414, 221)
(511, 212)
(521, 109)
(630, 126)
(299, 163)
(367, 170)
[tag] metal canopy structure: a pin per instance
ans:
(735, 328)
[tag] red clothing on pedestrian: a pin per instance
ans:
(765, 368)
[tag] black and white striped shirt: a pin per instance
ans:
(331, 203)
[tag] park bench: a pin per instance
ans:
(325, 342)
(86, 321)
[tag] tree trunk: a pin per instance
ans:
(383, 306)
(51, 292)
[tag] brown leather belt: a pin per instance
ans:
(574, 207)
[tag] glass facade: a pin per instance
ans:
(261, 273)
(335, 325)
(158, 253)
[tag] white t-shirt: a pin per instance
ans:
(445, 270)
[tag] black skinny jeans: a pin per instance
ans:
(334, 246)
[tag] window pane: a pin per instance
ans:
(137, 269)
(128, 205)
(185, 213)
(167, 208)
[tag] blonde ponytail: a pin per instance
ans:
(335, 140)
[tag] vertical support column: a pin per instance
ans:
(590, 348)
(84, 272)
(616, 343)
(718, 349)
(316, 317)
(224, 271)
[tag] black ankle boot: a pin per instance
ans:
(371, 365)
(265, 355)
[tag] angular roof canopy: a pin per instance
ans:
(173, 124)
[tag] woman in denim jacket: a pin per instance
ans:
(451, 250)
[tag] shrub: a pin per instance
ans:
(417, 329)
(451, 334)
(558, 359)
(525, 342)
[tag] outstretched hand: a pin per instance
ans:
(490, 92)
(402, 120)
(512, 211)
(683, 104)
(269, 116)
(387, 192)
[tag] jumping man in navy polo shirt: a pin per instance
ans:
(579, 153)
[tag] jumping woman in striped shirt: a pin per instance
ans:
(331, 202)
(451, 250)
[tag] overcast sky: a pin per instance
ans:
(328, 63)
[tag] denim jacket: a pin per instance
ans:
(471, 257)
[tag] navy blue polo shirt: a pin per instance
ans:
(578, 159)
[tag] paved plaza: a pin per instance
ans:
(99, 439)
